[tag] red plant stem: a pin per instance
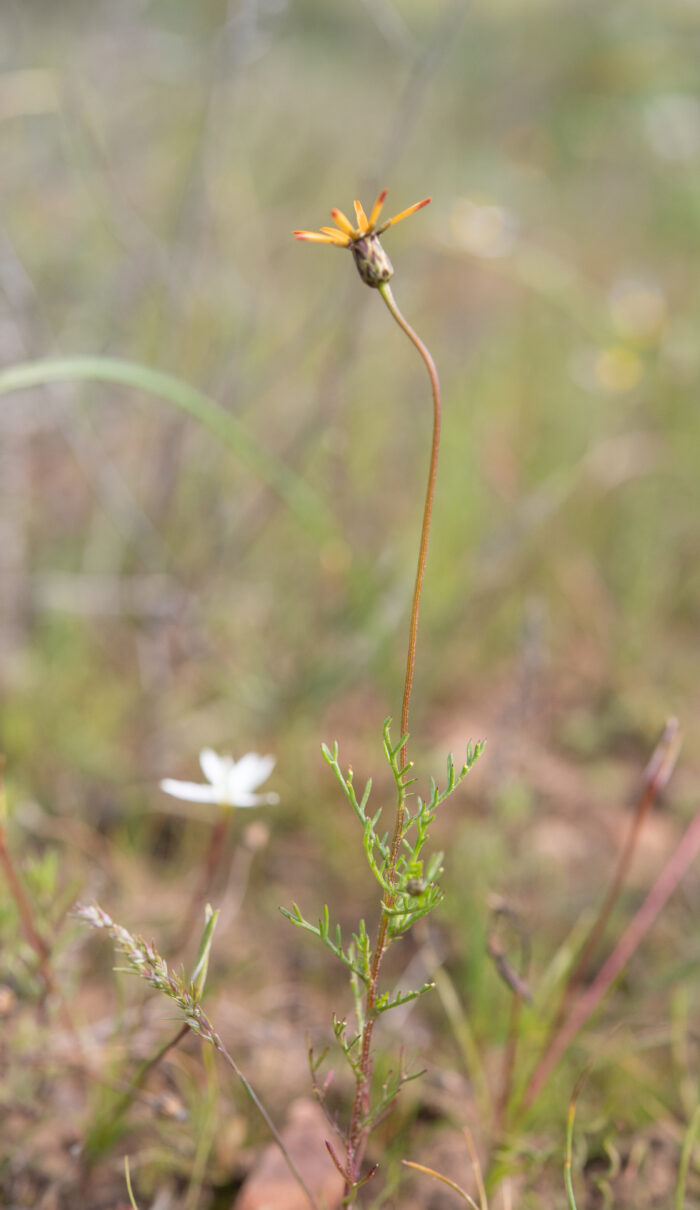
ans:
(679, 862)
(656, 775)
(208, 870)
(357, 1136)
(24, 909)
(385, 291)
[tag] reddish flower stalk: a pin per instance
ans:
(376, 270)
(385, 291)
(357, 1135)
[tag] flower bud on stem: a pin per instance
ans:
(358, 1131)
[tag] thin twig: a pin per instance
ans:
(679, 862)
(656, 776)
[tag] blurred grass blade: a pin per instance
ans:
(569, 1150)
(439, 1176)
(570, 1119)
(306, 506)
(130, 1191)
(686, 1156)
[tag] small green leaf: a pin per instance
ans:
(201, 965)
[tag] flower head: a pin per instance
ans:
(372, 262)
(231, 783)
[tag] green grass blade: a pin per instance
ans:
(306, 506)
(686, 1154)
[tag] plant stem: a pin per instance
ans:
(214, 1038)
(656, 775)
(24, 909)
(680, 860)
(358, 1131)
(209, 868)
(385, 291)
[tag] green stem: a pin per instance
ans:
(219, 1045)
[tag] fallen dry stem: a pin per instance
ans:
(681, 859)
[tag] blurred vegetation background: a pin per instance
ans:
(156, 596)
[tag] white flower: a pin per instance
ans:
(231, 782)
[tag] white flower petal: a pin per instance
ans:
(213, 766)
(191, 791)
(248, 773)
(231, 783)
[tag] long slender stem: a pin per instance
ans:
(219, 1045)
(385, 291)
(209, 868)
(358, 1132)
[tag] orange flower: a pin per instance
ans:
(372, 261)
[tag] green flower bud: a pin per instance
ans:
(373, 264)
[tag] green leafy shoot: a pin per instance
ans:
(376, 848)
(385, 1002)
(415, 892)
(356, 957)
(409, 891)
(349, 1046)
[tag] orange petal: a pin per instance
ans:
(361, 217)
(343, 222)
(314, 236)
(405, 213)
(337, 236)
(374, 212)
